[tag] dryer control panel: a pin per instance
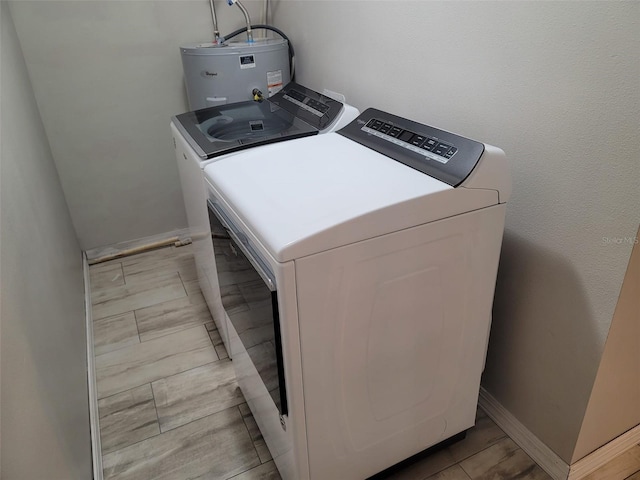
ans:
(443, 155)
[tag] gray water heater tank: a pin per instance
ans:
(228, 73)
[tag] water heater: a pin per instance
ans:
(216, 74)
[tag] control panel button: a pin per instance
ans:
(417, 140)
(386, 128)
(452, 151)
(372, 124)
(430, 144)
(301, 97)
(319, 106)
(441, 149)
(395, 132)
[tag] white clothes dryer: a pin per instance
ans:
(363, 265)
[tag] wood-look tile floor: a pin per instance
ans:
(170, 407)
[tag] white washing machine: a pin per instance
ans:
(204, 136)
(360, 269)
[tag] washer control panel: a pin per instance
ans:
(303, 101)
(312, 107)
(443, 155)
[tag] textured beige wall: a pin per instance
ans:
(555, 84)
(614, 406)
(45, 410)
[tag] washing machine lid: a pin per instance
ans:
(216, 131)
(294, 112)
(326, 191)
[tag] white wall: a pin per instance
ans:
(107, 76)
(45, 410)
(555, 84)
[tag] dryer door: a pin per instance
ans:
(250, 300)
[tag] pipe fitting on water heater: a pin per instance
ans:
(214, 20)
(246, 17)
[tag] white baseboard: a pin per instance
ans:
(551, 463)
(605, 454)
(107, 252)
(96, 446)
